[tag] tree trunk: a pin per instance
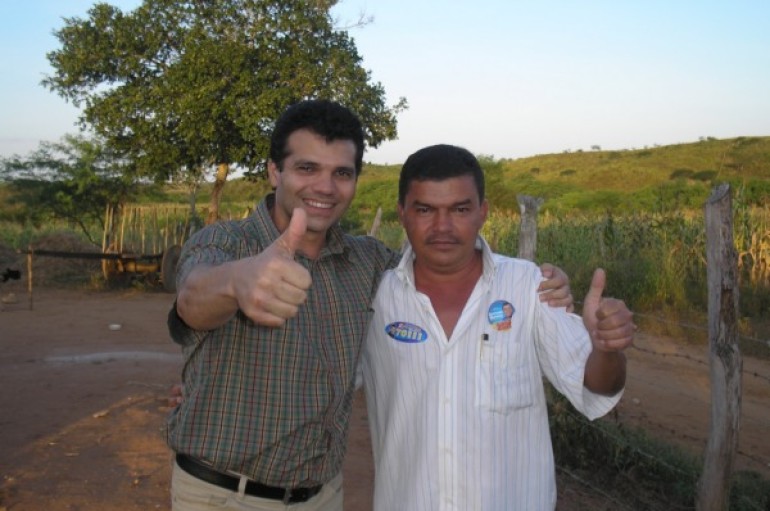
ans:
(193, 222)
(223, 169)
(193, 200)
(725, 358)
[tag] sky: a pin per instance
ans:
(502, 78)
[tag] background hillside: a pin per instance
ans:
(651, 179)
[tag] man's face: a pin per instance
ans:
(442, 220)
(317, 176)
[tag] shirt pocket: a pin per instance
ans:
(504, 378)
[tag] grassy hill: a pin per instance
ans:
(661, 178)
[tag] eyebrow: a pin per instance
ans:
(306, 162)
(313, 163)
(453, 205)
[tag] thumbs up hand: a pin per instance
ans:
(272, 285)
(608, 320)
(287, 243)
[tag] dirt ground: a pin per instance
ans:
(85, 377)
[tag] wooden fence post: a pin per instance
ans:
(376, 223)
(725, 358)
(528, 227)
(29, 276)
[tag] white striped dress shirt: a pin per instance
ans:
(461, 424)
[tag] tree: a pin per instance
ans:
(73, 180)
(199, 83)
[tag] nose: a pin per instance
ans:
(324, 184)
(442, 221)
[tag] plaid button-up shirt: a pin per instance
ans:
(273, 403)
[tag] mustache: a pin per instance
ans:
(440, 239)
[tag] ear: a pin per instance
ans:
(273, 173)
(484, 207)
(401, 213)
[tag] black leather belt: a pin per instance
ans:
(205, 473)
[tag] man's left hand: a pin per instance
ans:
(608, 320)
(555, 289)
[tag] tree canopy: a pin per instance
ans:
(199, 83)
(72, 180)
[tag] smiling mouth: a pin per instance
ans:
(318, 204)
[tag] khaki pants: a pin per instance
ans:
(189, 493)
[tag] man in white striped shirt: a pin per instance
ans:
(457, 349)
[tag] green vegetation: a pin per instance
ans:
(662, 180)
(71, 181)
(634, 469)
(377, 188)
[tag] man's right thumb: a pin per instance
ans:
(291, 239)
(598, 282)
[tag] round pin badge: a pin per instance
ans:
(500, 314)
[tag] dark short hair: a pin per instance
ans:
(439, 162)
(325, 118)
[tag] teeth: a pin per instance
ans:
(322, 205)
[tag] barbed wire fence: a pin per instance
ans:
(721, 357)
(759, 460)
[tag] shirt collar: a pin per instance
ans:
(405, 269)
